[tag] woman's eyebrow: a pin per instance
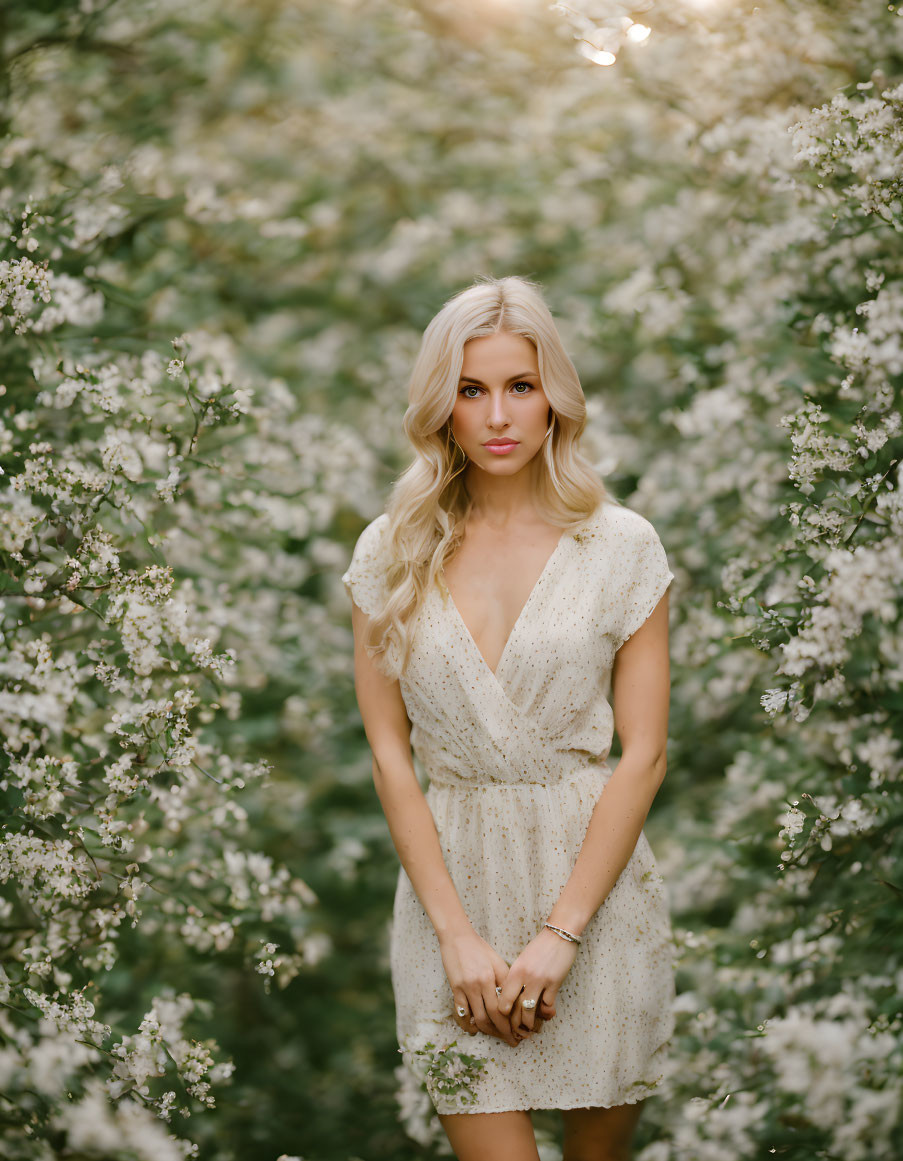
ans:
(522, 375)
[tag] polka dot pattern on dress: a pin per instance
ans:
(515, 762)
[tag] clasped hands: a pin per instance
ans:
(492, 994)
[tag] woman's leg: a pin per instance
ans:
(600, 1134)
(491, 1136)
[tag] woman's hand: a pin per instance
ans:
(475, 970)
(466, 1024)
(536, 974)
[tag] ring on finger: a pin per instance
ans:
(462, 1012)
(529, 1005)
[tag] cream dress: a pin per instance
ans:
(515, 762)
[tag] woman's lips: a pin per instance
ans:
(501, 449)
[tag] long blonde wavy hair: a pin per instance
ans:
(429, 503)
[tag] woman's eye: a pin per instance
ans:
(474, 387)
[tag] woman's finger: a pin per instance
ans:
(503, 1025)
(500, 1021)
(479, 1015)
(509, 1006)
(462, 1012)
(497, 1024)
(505, 989)
(511, 989)
(464, 1024)
(546, 1007)
(467, 1023)
(525, 1008)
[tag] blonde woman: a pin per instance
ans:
(508, 616)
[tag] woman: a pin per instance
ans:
(500, 603)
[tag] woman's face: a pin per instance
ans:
(500, 398)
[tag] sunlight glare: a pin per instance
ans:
(597, 55)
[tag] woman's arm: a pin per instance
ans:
(641, 685)
(473, 967)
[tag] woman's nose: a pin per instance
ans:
(497, 410)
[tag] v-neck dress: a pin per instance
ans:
(515, 762)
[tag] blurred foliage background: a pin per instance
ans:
(226, 226)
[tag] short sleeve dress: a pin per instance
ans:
(515, 761)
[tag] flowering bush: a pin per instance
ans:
(124, 809)
(789, 462)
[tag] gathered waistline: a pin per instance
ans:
(515, 784)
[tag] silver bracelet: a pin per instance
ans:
(564, 934)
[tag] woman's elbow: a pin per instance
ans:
(652, 761)
(391, 766)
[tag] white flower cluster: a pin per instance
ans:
(77, 1015)
(93, 1125)
(792, 823)
(283, 967)
(42, 780)
(23, 284)
(831, 1053)
(50, 873)
(416, 1111)
(159, 1041)
(860, 581)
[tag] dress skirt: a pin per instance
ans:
(510, 849)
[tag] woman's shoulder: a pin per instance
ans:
(372, 536)
(364, 576)
(613, 520)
